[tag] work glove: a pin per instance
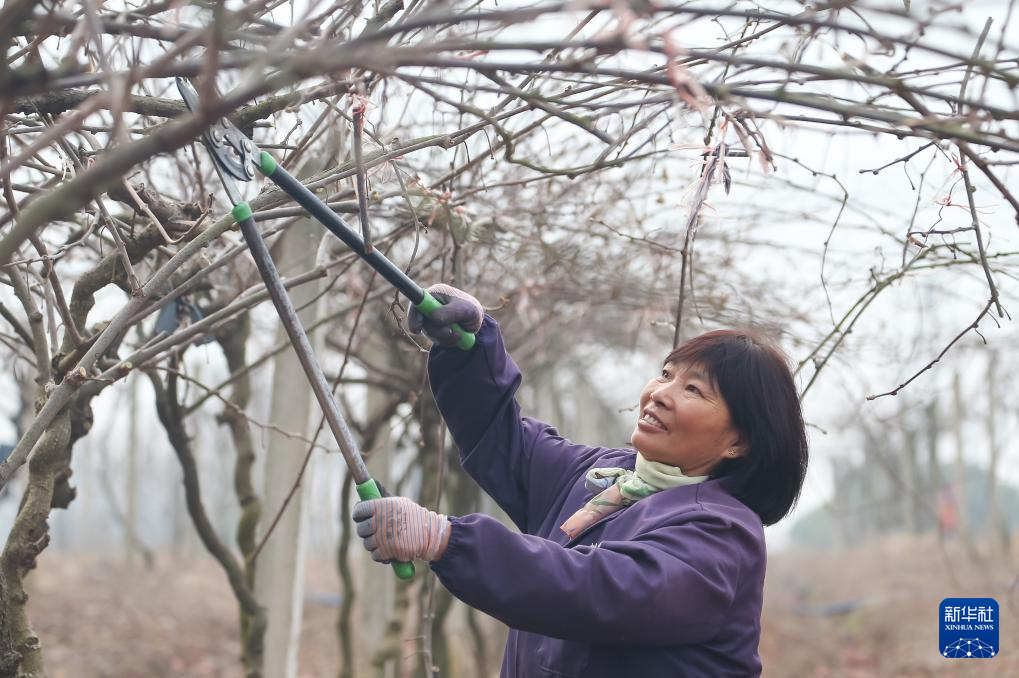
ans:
(395, 528)
(458, 307)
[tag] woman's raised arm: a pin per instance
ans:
(520, 462)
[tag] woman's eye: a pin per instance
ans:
(692, 388)
(664, 376)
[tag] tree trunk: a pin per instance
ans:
(233, 340)
(132, 549)
(962, 507)
(434, 601)
(934, 482)
(912, 483)
(376, 437)
(388, 654)
(1000, 537)
(172, 417)
(20, 649)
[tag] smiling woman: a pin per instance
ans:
(734, 383)
(699, 429)
(629, 562)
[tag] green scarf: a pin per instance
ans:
(617, 488)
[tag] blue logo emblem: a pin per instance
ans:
(969, 628)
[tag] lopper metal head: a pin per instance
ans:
(234, 154)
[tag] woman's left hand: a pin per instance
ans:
(396, 528)
(457, 307)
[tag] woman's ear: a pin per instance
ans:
(737, 448)
(733, 453)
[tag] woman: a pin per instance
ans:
(638, 564)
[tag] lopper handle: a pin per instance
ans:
(428, 305)
(325, 215)
(369, 490)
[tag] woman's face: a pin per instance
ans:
(683, 421)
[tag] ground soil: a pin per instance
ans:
(866, 614)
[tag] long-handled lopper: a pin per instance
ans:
(239, 157)
(234, 157)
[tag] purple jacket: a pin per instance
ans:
(671, 586)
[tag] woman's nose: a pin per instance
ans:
(660, 393)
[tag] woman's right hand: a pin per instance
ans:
(457, 307)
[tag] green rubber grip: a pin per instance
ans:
(241, 211)
(428, 306)
(266, 163)
(369, 490)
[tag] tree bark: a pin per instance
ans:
(233, 339)
(20, 649)
(170, 414)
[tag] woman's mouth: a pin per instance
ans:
(650, 421)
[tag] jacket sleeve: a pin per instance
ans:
(672, 586)
(520, 462)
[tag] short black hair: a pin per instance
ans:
(753, 377)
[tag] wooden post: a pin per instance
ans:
(279, 575)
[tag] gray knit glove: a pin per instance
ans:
(458, 307)
(396, 528)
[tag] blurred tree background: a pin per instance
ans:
(608, 178)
